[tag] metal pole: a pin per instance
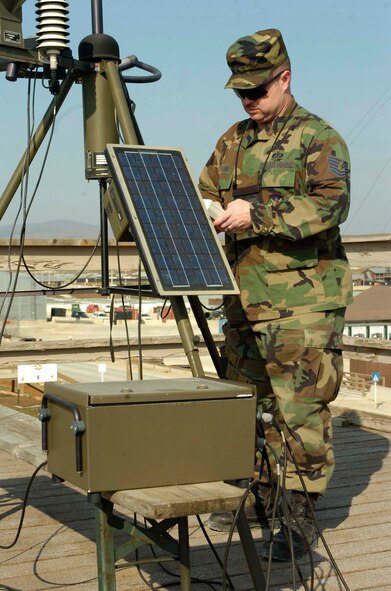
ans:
(204, 328)
(34, 144)
(120, 103)
(104, 239)
(184, 554)
(187, 335)
(105, 546)
(97, 16)
(130, 136)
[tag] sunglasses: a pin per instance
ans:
(255, 93)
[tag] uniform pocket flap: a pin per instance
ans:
(226, 175)
(279, 176)
(291, 258)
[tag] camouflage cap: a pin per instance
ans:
(253, 58)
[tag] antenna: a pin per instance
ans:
(107, 107)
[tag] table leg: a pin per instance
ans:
(105, 549)
(184, 553)
(250, 552)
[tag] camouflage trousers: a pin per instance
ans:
(297, 367)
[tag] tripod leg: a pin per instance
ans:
(34, 144)
(121, 106)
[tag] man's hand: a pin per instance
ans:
(235, 218)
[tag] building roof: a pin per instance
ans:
(372, 305)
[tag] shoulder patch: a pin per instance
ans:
(338, 167)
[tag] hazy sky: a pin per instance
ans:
(340, 53)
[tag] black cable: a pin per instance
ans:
(278, 493)
(22, 206)
(26, 210)
(140, 302)
(326, 546)
(176, 576)
(287, 447)
(286, 528)
(73, 280)
(47, 581)
(214, 551)
(243, 499)
(24, 504)
(214, 308)
(111, 318)
(166, 570)
(164, 316)
(125, 316)
(10, 272)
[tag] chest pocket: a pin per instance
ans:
(226, 174)
(280, 178)
(279, 184)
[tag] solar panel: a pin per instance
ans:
(152, 193)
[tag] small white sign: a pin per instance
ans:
(37, 374)
(102, 370)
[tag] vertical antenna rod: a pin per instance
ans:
(97, 16)
(97, 28)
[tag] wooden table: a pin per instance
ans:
(162, 507)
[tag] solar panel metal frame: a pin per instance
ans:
(131, 212)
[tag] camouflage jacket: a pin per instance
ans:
(295, 173)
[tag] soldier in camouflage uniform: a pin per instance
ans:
(282, 177)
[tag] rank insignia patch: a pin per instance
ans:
(338, 167)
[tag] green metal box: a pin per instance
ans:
(149, 433)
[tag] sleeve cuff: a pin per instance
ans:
(261, 217)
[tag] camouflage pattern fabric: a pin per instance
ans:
(295, 174)
(296, 364)
(252, 58)
(284, 331)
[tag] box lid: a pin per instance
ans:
(148, 391)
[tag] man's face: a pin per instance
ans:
(265, 109)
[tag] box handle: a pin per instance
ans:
(77, 427)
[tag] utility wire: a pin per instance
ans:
(351, 218)
(365, 116)
(379, 103)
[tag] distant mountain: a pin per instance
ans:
(60, 229)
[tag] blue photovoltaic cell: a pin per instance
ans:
(181, 242)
